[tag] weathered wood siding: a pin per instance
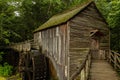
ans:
(80, 28)
(55, 44)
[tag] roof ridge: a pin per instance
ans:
(63, 17)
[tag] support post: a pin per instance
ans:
(115, 60)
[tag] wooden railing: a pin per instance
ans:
(83, 70)
(114, 59)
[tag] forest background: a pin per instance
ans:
(18, 18)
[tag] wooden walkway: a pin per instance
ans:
(102, 70)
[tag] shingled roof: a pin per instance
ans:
(63, 17)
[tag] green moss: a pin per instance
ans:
(63, 17)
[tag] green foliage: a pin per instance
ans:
(7, 16)
(36, 12)
(76, 2)
(111, 11)
(113, 19)
(1, 53)
(114, 14)
(5, 70)
(18, 18)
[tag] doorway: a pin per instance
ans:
(97, 53)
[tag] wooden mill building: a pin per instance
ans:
(67, 37)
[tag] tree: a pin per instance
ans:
(111, 11)
(36, 12)
(114, 23)
(6, 17)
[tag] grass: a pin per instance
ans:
(14, 77)
(2, 78)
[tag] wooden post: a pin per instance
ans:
(85, 72)
(82, 74)
(87, 68)
(115, 60)
(109, 56)
(89, 64)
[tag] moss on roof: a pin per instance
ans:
(63, 17)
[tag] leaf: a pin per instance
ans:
(7, 41)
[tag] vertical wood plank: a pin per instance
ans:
(67, 48)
